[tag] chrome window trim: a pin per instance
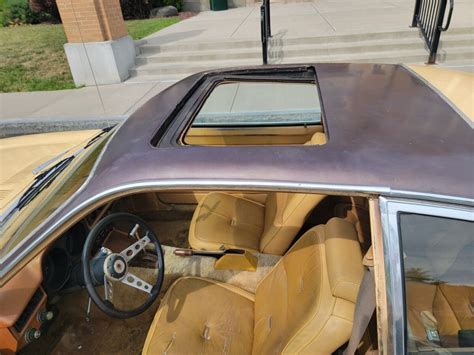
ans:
(8, 262)
(389, 210)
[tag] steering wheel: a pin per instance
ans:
(106, 267)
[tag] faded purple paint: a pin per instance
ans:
(386, 128)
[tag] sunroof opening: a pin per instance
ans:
(246, 112)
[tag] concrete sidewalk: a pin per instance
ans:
(304, 19)
(88, 107)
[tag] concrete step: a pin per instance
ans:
(419, 55)
(150, 48)
(290, 51)
(145, 78)
(195, 46)
(467, 65)
(189, 68)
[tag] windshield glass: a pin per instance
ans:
(49, 191)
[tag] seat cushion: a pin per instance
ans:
(221, 219)
(200, 316)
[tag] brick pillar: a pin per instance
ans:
(99, 49)
(92, 20)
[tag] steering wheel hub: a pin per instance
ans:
(115, 267)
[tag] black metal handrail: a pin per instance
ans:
(265, 28)
(428, 17)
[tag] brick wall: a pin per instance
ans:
(92, 20)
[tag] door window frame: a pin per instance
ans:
(396, 329)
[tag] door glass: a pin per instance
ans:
(438, 258)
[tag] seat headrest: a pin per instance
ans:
(343, 258)
(319, 138)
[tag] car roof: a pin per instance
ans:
(389, 133)
(386, 129)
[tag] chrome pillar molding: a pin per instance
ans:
(393, 279)
(394, 274)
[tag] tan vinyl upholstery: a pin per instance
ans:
(193, 304)
(223, 221)
(443, 307)
(304, 305)
(319, 138)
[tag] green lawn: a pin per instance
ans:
(142, 28)
(32, 57)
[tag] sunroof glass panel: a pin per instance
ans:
(260, 104)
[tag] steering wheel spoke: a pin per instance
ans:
(108, 289)
(130, 252)
(136, 282)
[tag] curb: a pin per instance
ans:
(23, 126)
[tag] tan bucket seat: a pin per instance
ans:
(224, 221)
(304, 305)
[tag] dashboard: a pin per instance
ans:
(26, 311)
(62, 262)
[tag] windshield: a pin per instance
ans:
(49, 191)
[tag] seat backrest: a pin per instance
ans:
(285, 214)
(306, 303)
(319, 138)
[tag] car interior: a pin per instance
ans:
(240, 272)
